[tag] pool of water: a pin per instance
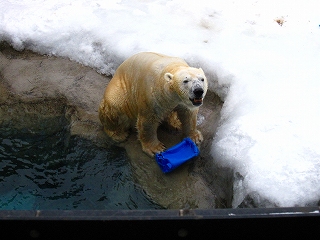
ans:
(56, 171)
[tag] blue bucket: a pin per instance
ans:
(173, 157)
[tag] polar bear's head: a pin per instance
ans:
(190, 84)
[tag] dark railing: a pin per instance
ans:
(242, 223)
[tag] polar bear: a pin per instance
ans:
(145, 89)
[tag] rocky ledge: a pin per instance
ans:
(34, 88)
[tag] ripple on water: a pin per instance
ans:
(59, 171)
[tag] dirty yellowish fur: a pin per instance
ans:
(147, 89)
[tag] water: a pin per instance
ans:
(57, 171)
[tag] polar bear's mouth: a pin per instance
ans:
(196, 101)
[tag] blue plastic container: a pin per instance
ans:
(175, 156)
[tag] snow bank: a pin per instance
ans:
(261, 58)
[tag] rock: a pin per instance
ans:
(34, 87)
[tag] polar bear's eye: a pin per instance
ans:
(202, 79)
(186, 81)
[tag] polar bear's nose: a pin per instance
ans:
(198, 92)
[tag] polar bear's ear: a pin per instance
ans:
(201, 69)
(168, 77)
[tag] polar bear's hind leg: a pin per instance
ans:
(115, 123)
(119, 135)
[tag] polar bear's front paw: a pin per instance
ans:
(197, 137)
(153, 148)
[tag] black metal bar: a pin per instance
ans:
(294, 223)
(158, 214)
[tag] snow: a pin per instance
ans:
(261, 57)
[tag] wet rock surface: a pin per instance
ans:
(34, 88)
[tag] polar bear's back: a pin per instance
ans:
(145, 63)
